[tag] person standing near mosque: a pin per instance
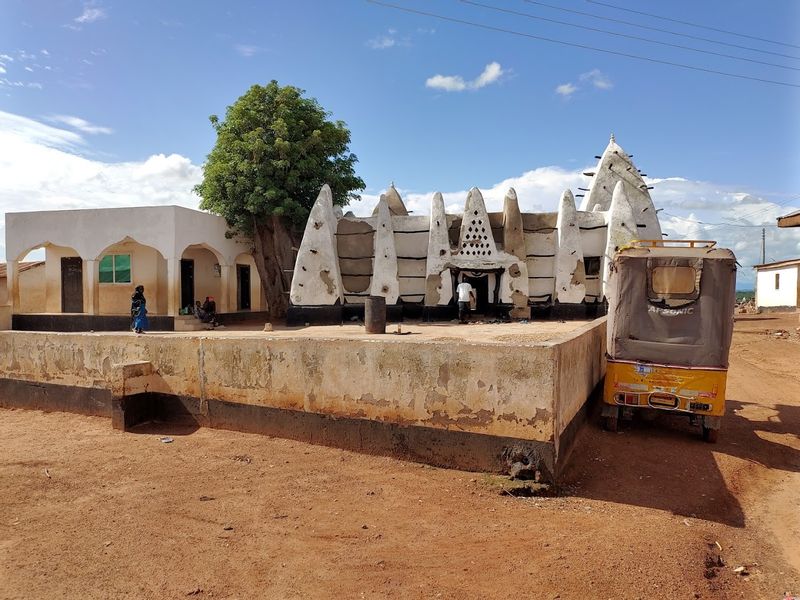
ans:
(139, 310)
(465, 296)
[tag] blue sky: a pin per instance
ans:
(431, 104)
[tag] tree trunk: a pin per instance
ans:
(272, 253)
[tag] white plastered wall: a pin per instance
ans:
(146, 265)
(33, 290)
(787, 292)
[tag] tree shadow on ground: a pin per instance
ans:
(662, 462)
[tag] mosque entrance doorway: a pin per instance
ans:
(486, 283)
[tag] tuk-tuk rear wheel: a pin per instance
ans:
(710, 435)
(610, 423)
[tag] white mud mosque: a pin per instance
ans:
(514, 260)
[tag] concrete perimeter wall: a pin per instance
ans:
(529, 392)
(580, 366)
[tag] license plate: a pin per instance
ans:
(662, 400)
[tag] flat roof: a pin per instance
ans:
(790, 220)
(781, 263)
(114, 209)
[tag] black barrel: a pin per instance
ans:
(375, 314)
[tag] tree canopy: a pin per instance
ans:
(274, 151)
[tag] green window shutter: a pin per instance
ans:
(107, 269)
(122, 268)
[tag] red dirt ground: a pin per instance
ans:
(88, 512)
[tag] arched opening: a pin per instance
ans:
(201, 276)
(249, 293)
(123, 266)
(49, 280)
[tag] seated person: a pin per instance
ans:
(208, 311)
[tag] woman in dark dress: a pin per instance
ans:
(139, 310)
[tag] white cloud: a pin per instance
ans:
(393, 39)
(382, 42)
(6, 58)
(44, 52)
(29, 69)
(448, 83)
(598, 79)
(730, 216)
(2, 69)
(79, 124)
(491, 73)
(594, 78)
(40, 169)
(20, 84)
(247, 50)
(90, 15)
(566, 89)
(538, 190)
(456, 83)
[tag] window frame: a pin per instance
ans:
(112, 256)
(673, 299)
(777, 281)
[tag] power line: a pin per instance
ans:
(677, 33)
(695, 221)
(745, 216)
(764, 210)
(744, 35)
(625, 35)
(575, 45)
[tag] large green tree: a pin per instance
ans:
(275, 149)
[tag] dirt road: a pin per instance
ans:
(649, 512)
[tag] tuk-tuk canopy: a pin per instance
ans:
(672, 305)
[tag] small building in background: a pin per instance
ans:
(790, 220)
(94, 258)
(778, 285)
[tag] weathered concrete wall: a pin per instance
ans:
(88, 359)
(5, 317)
(580, 365)
(530, 391)
(507, 391)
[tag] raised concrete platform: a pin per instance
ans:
(475, 397)
(190, 323)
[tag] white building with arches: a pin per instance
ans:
(93, 259)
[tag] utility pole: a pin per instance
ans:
(763, 245)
